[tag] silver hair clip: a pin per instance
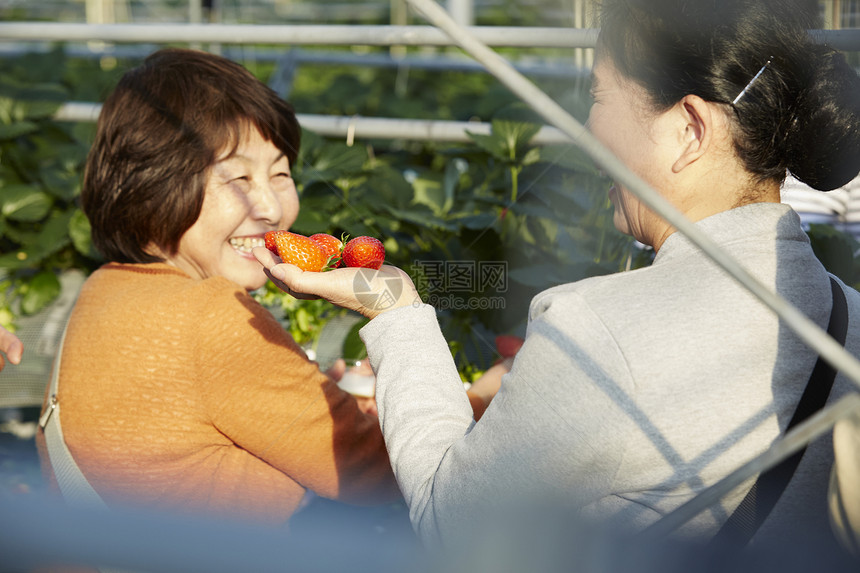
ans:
(752, 81)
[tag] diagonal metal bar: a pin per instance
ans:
(807, 330)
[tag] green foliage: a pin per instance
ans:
(303, 318)
(42, 230)
(837, 251)
(412, 93)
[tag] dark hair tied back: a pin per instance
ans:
(824, 140)
(802, 114)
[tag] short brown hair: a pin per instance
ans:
(158, 134)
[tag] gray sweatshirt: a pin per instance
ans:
(633, 392)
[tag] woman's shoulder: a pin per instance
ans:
(155, 287)
(591, 291)
(137, 280)
(158, 277)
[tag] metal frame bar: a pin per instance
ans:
(359, 127)
(499, 36)
(550, 67)
(343, 35)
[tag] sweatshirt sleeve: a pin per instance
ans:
(554, 431)
(262, 392)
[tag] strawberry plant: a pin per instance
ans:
(42, 230)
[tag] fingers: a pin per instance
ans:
(266, 257)
(11, 346)
(271, 263)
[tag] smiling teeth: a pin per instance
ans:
(245, 244)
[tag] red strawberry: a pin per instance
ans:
(331, 246)
(297, 249)
(364, 252)
(269, 239)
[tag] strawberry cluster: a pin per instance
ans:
(323, 252)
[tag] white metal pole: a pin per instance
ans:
(195, 17)
(578, 22)
(502, 36)
(399, 17)
(195, 11)
(495, 36)
(214, 16)
(462, 11)
(360, 127)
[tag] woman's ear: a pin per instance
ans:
(696, 131)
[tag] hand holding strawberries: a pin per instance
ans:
(357, 286)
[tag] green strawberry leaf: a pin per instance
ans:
(453, 171)
(25, 203)
(494, 144)
(81, 234)
(429, 192)
(568, 156)
(335, 161)
(515, 135)
(421, 218)
(9, 131)
(41, 291)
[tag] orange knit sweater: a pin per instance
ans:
(188, 395)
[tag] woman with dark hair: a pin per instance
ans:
(634, 392)
(177, 389)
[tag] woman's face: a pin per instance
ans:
(621, 120)
(247, 194)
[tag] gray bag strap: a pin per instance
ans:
(74, 486)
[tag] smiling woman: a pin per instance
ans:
(178, 390)
(248, 192)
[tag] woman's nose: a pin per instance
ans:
(266, 205)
